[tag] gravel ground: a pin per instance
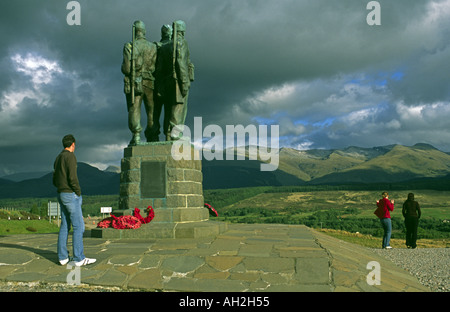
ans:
(431, 266)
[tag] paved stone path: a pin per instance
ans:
(247, 257)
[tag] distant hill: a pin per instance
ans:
(113, 169)
(17, 177)
(400, 163)
(92, 180)
(421, 164)
(382, 164)
(5, 181)
(219, 174)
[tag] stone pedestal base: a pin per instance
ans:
(150, 176)
(165, 230)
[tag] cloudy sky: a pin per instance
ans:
(315, 68)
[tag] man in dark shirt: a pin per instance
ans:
(65, 179)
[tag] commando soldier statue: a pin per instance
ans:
(138, 66)
(175, 74)
(160, 95)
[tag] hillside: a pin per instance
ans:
(219, 174)
(347, 210)
(17, 177)
(92, 180)
(420, 164)
(382, 164)
(401, 163)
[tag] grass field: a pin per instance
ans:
(340, 212)
(9, 227)
(434, 204)
(343, 210)
(375, 242)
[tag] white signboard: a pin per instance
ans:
(53, 209)
(106, 209)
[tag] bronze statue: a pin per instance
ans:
(175, 73)
(160, 96)
(138, 66)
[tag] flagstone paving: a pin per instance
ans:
(247, 257)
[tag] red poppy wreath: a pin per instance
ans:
(127, 222)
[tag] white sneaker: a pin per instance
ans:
(388, 247)
(85, 261)
(64, 262)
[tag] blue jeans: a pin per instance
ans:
(71, 215)
(387, 227)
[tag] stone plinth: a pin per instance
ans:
(150, 176)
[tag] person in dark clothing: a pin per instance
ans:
(65, 179)
(411, 212)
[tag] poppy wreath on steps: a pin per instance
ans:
(128, 222)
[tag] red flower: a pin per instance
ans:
(212, 211)
(150, 215)
(127, 222)
(105, 223)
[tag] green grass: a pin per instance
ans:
(10, 227)
(375, 242)
(434, 204)
(345, 210)
(335, 208)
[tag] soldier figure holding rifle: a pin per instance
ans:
(160, 88)
(138, 66)
(176, 72)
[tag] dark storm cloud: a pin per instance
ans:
(314, 67)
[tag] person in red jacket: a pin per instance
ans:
(386, 205)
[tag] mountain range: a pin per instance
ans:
(383, 164)
(93, 181)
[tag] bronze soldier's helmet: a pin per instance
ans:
(139, 25)
(139, 28)
(166, 31)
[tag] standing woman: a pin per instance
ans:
(383, 212)
(411, 212)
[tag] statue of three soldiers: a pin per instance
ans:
(160, 75)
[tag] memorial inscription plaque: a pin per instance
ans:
(153, 179)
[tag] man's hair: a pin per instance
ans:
(68, 140)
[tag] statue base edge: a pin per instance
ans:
(151, 230)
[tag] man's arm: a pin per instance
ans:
(126, 63)
(72, 177)
(183, 67)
